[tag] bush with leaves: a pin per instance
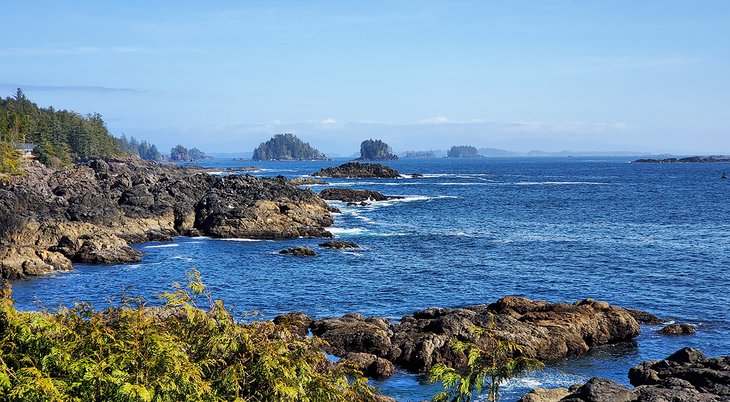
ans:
(487, 368)
(178, 352)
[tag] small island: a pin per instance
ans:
(420, 154)
(376, 150)
(689, 159)
(463, 151)
(179, 153)
(287, 147)
(359, 170)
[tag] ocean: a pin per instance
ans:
(654, 237)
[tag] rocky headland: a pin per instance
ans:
(357, 170)
(92, 212)
(685, 376)
(546, 331)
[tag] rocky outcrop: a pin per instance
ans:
(92, 211)
(338, 244)
(678, 329)
(545, 395)
(689, 159)
(370, 365)
(354, 196)
(546, 331)
(642, 317)
(357, 170)
(307, 181)
(299, 251)
(296, 323)
(685, 376)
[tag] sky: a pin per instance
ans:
(224, 76)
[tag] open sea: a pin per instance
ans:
(647, 236)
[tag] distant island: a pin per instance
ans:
(376, 150)
(463, 151)
(181, 154)
(420, 154)
(286, 147)
(689, 159)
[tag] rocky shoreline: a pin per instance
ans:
(91, 212)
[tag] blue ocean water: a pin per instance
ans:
(646, 236)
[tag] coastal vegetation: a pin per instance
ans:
(142, 149)
(58, 135)
(179, 153)
(462, 151)
(190, 349)
(286, 147)
(376, 150)
(420, 154)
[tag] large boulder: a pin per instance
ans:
(357, 170)
(354, 196)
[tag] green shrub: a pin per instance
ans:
(178, 352)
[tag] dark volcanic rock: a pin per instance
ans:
(296, 323)
(354, 196)
(338, 244)
(677, 329)
(307, 181)
(370, 365)
(547, 331)
(642, 317)
(299, 251)
(685, 376)
(92, 211)
(359, 170)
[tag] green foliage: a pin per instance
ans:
(63, 134)
(142, 149)
(286, 147)
(462, 151)
(178, 352)
(9, 160)
(376, 150)
(179, 153)
(487, 368)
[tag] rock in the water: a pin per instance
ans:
(338, 244)
(677, 329)
(92, 211)
(370, 365)
(354, 196)
(416, 175)
(642, 317)
(359, 170)
(299, 251)
(546, 331)
(307, 181)
(296, 323)
(545, 395)
(685, 376)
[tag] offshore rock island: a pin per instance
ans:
(91, 212)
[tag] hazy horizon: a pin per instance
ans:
(646, 77)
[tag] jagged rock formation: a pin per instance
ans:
(357, 170)
(685, 376)
(91, 212)
(354, 196)
(307, 181)
(547, 331)
(338, 244)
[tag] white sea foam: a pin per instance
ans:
(242, 239)
(162, 246)
(558, 183)
(346, 231)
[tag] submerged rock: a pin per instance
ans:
(359, 170)
(92, 211)
(677, 329)
(299, 251)
(351, 196)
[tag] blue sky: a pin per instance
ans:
(649, 76)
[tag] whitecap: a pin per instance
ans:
(241, 239)
(558, 183)
(346, 231)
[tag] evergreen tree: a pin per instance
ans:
(375, 150)
(286, 147)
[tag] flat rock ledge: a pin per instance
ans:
(685, 376)
(357, 170)
(546, 331)
(91, 212)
